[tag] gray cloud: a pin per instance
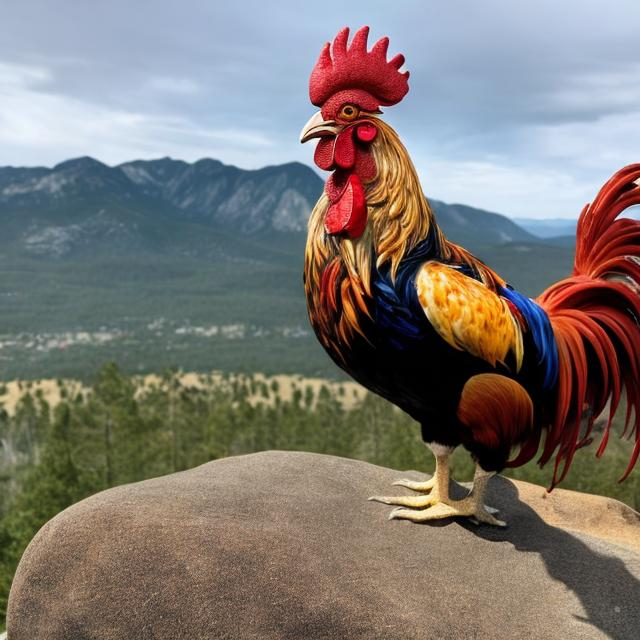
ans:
(522, 108)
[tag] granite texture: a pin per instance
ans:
(285, 545)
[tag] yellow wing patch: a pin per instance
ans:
(467, 315)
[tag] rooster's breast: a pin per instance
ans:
(388, 345)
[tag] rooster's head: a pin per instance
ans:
(350, 84)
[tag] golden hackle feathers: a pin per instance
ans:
(337, 281)
(400, 214)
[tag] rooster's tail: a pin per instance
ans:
(595, 316)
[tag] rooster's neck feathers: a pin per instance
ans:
(400, 215)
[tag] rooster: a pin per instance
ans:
(421, 322)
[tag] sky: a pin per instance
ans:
(520, 108)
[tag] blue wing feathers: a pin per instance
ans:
(541, 332)
(397, 308)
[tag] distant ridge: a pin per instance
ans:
(70, 207)
(549, 227)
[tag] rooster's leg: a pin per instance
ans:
(437, 485)
(439, 482)
(439, 505)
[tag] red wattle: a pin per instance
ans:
(336, 184)
(349, 214)
(344, 151)
(323, 156)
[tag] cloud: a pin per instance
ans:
(589, 96)
(535, 105)
(167, 84)
(496, 186)
(17, 75)
(611, 140)
(52, 127)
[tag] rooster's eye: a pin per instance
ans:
(349, 112)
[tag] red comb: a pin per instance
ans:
(354, 68)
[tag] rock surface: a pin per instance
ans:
(286, 545)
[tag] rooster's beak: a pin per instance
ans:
(317, 127)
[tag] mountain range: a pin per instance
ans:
(83, 205)
(157, 263)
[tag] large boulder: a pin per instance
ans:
(286, 545)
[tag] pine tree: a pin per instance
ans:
(50, 486)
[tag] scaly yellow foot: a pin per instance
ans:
(437, 504)
(416, 486)
(471, 507)
(438, 485)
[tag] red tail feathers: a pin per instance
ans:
(595, 316)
